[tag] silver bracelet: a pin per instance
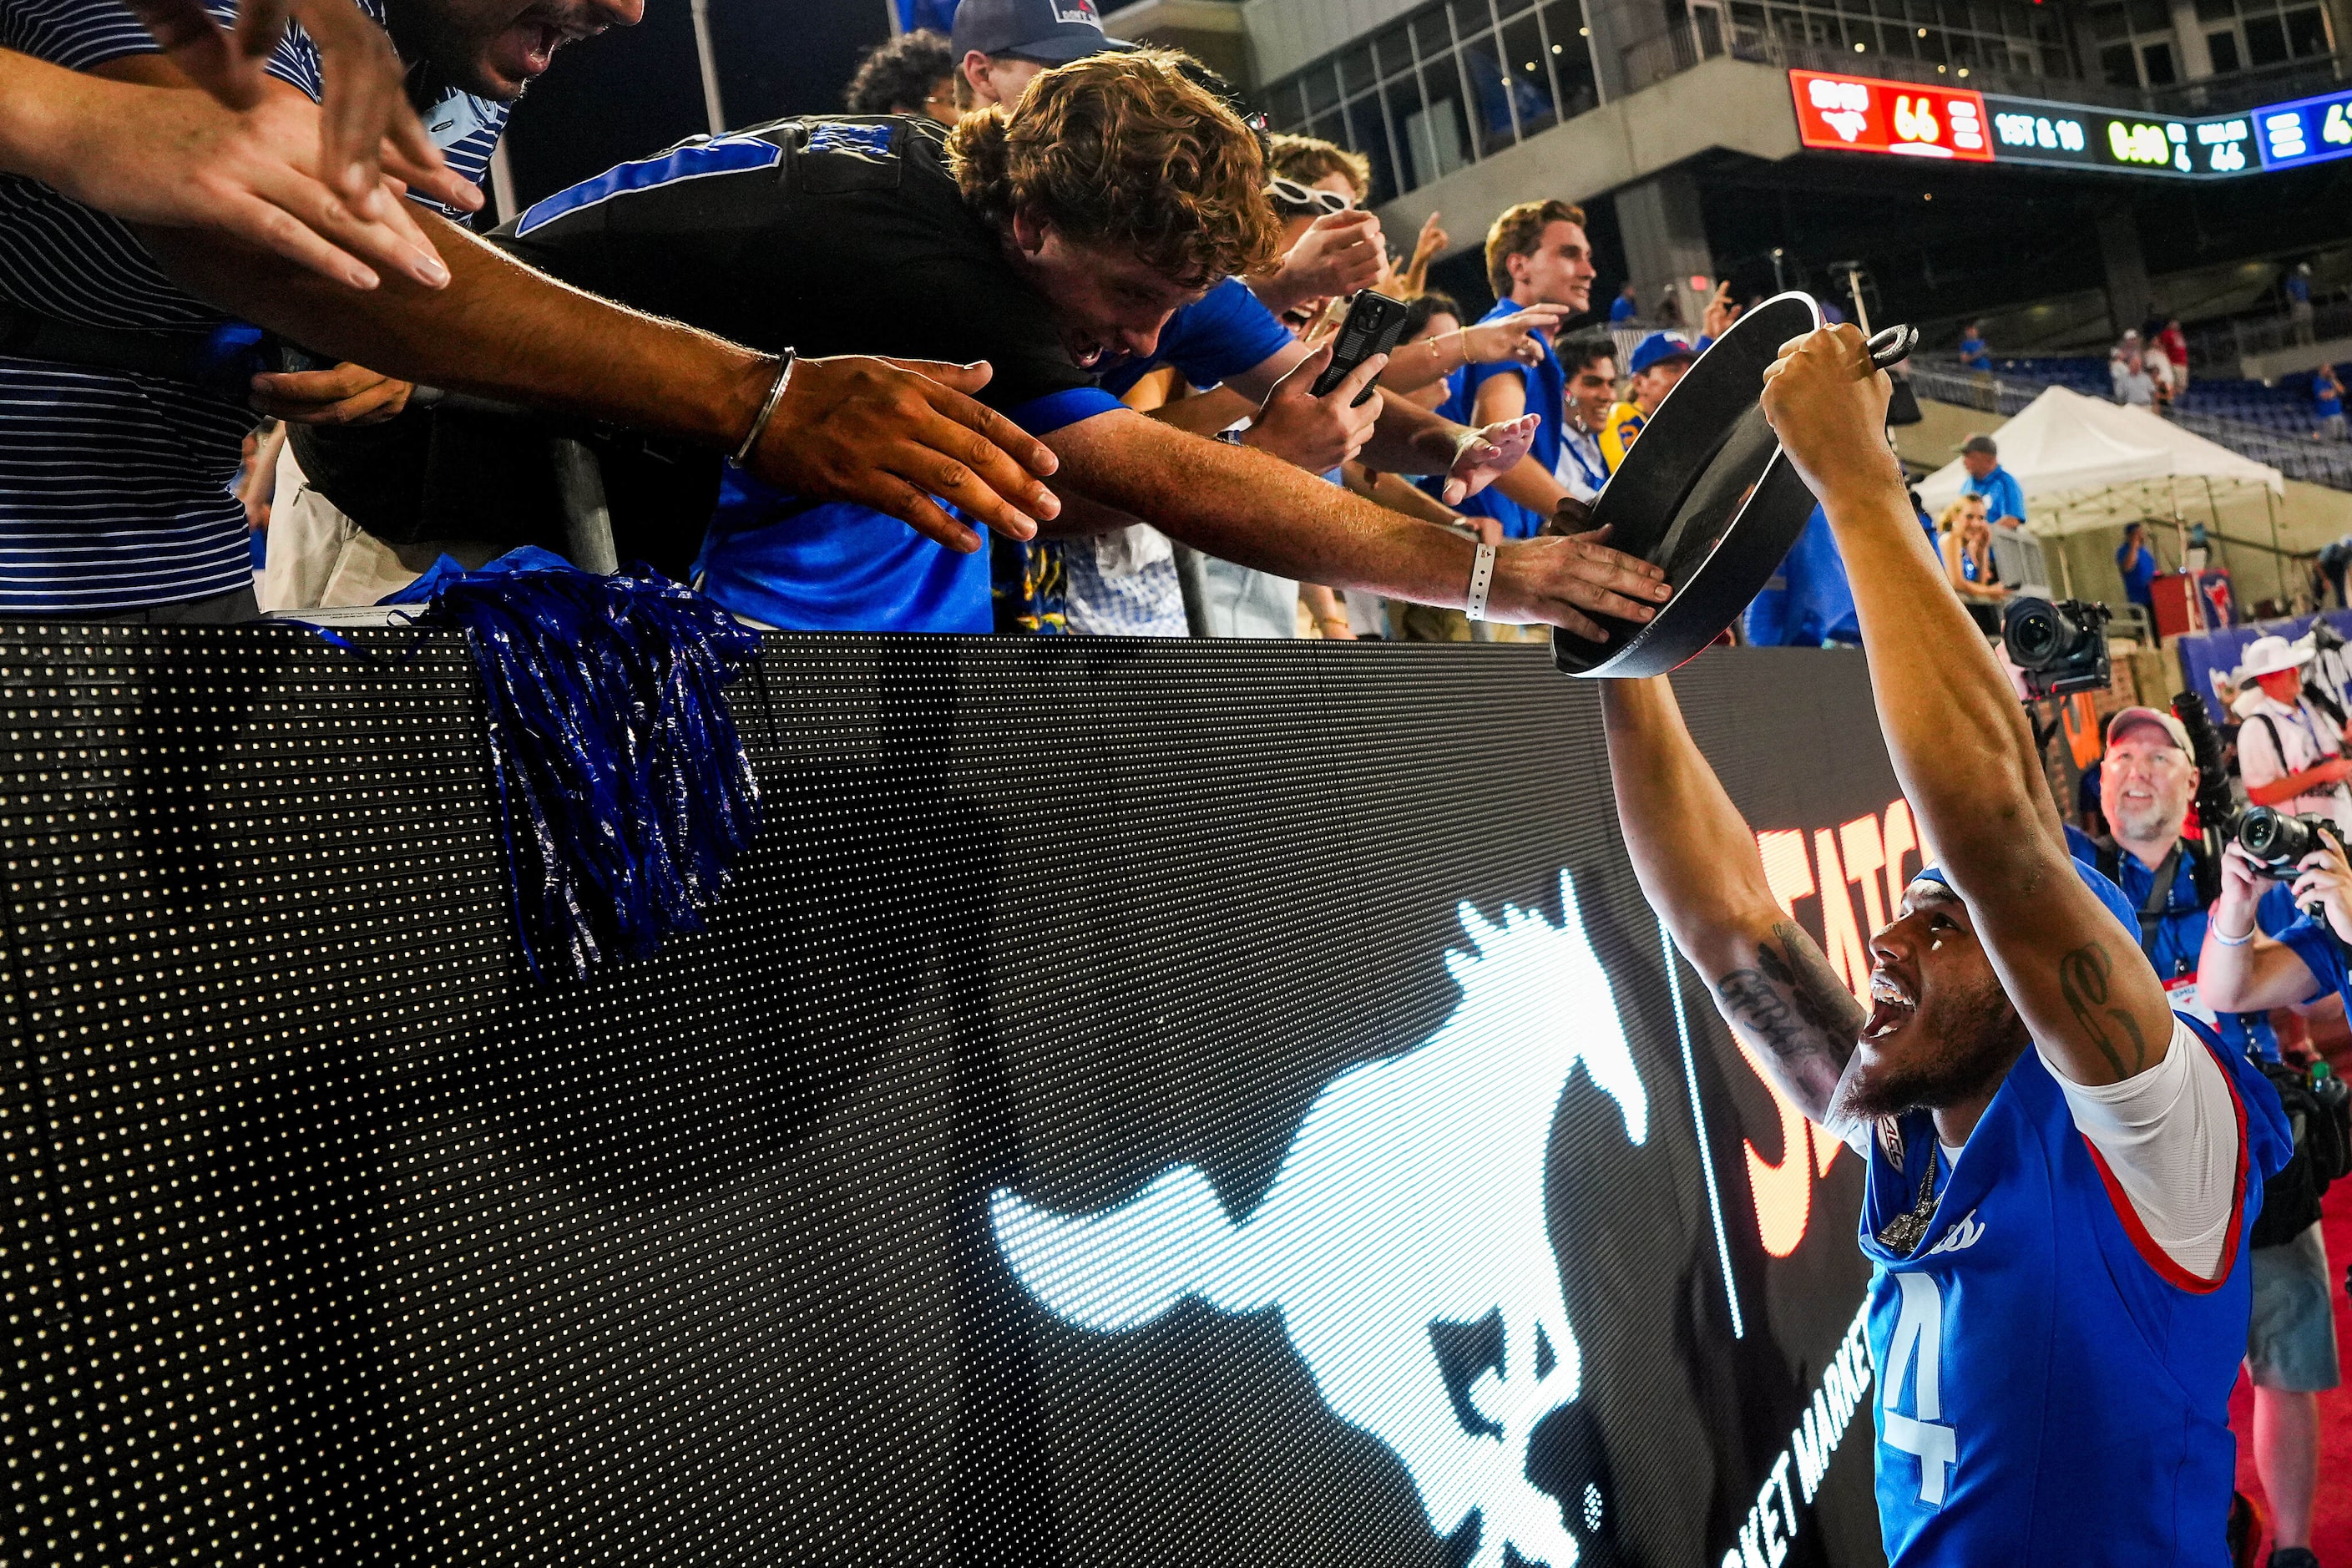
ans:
(1482, 580)
(768, 409)
(2228, 940)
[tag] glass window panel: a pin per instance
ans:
(1490, 98)
(1471, 17)
(2056, 62)
(1431, 35)
(1523, 50)
(2157, 59)
(2265, 40)
(2223, 48)
(1356, 72)
(2107, 22)
(2117, 65)
(1322, 88)
(1369, 136)
(1282, 111)
(2149, 15)
(1510, 8)
(1395, 48)
(1571, 60)
(1435, 141)
(2306, 32)
(1934, 48)
(1332, 127)
(2217, 10)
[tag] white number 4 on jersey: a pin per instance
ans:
(1914, 1358)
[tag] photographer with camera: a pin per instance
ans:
(2291, 1350)
(2147, 777)
(2290, 754)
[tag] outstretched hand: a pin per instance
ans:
(895, 434)
(1558, 578)
(1828, 406)
(1485, 456)
(367, 128)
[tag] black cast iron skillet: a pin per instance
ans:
(1707, 493)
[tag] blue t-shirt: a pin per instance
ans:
(1974, 354)
(2004, 497)
(1809, 603)
(2315, 942)
(1621, 309)
(2298, 289)
(1546, 391)
(836, 566)
(114, 488)
(1224, 332)
(2049, 1385)
(2330, 402)
(2139, 579)
(2178, 936)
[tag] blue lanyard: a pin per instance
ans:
(1569, 444)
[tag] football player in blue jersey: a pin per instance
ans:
(2061, 1172)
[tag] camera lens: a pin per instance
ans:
(2258, 830)
(2035, 634)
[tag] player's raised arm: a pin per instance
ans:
(1699, 869)
(1958, 735)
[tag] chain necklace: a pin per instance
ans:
(1906, 1230)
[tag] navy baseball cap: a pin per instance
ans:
(1656, 349)
(1053, 31)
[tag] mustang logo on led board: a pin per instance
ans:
(1407, 1215)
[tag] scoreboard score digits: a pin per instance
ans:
(1865, 114)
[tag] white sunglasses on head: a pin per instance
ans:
(1290, 193)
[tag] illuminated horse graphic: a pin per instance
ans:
(1407, 1215)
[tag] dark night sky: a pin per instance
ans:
(635, 89)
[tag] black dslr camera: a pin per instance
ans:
(2060, 648)
(2279, 842)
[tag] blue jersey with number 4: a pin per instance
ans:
(2050, 1386)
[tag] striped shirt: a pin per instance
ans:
(114, 488)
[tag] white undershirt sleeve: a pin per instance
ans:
(2170, 1137)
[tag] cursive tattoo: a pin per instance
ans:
(1790, 1006)
(2082, 981)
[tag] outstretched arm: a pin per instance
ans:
(1257, 511)
(1958, 735)
(1699, 869)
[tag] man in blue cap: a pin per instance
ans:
(1658, 361)
(1001, 45)
(2062, 1173)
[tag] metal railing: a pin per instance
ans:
(2223, 344)
(2313, 462)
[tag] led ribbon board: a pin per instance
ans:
(2307, 131)
(1859, 114)
(1865, 114)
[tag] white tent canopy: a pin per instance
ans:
(2064, 447)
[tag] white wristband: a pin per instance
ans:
(2226, 940)
(1482, 580)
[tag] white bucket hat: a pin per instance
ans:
(2269, 654)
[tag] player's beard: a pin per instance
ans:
(1977, 1035)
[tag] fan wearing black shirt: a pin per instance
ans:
(1051, 240)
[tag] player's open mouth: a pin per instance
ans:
(1891, 1005)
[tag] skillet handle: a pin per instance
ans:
(1893, 346)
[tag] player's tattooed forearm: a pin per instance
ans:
(1791, 1002)
(2082, 981)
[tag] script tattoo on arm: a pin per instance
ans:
(1790, 1005)
(2082, 981)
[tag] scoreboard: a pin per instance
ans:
(1866, 114)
